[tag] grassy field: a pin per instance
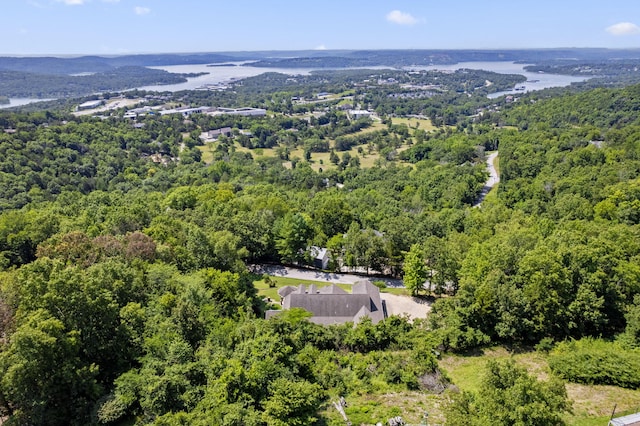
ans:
(370, 409)
(422, 123)
(207, 152)
(320, 160)
(272, 292)
(591, 405)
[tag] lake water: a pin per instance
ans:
(219, 74)
(14, 102)
(226, 73)
(535, 80)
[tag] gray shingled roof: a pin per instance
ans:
(333, 305)
(284, 291)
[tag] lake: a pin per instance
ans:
(14, 102)
(535, 80)
(226, 73)
(231, 72)
(216, 75)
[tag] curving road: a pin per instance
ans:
(494, 178)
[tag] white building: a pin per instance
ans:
(185, 111)
(246, 111)
(90, 105)
(359, 113)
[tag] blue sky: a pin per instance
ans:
(36, 27)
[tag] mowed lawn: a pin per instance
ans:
(320, 160)
(412, 123)
(272, 292)
(591, 405)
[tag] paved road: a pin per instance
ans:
(312, 275)
(494, 178)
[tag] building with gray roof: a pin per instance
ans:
(333, 305)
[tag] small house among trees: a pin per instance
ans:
(319, 257)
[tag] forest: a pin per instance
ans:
(19, 84)
(127, 297)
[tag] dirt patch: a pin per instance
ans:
(590, 401)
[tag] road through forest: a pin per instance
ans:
(494, 178)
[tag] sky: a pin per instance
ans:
(114, 27)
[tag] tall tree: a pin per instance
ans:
(415, 270)
(292, 238)
(510, 396)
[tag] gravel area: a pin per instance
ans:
(399, 305)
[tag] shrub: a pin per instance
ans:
(596, 362)
(380, 284)
(545, 345)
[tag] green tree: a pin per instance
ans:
(43, 378)
(292, 237)
(631, 336)
(333, 157)
(292, 403)
(415, 270)
(509, 396)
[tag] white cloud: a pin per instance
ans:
(321, 47)
(623, 28)
(36, 4)
(401, 18)
(142, 10)
(72, 2)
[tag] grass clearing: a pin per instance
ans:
(422, 123)
(591, 405)
(370, 409)
(272, 292)
(207, 152)
(319, 160)
(398, 291)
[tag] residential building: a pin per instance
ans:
(333, 305)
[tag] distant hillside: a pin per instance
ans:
(31, 85)
(301, 58)
(398, 58)
(95, 64)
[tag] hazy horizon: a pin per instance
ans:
(124, 27)
(240, 52)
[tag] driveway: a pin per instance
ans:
(314, 275)
(405, 305)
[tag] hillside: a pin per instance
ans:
(125, 296)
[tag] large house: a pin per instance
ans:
(333, 305)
